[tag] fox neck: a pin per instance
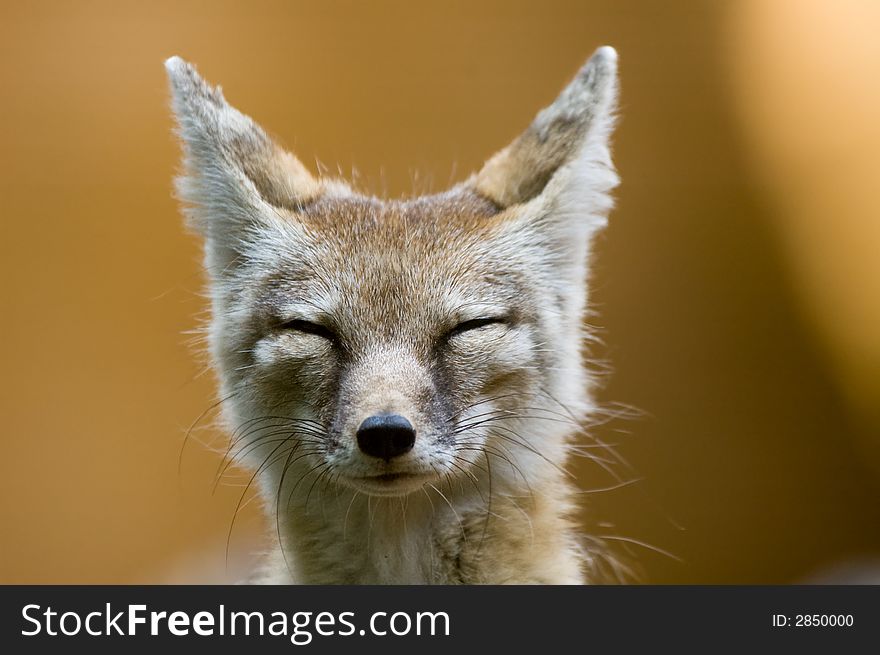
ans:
(490, 532)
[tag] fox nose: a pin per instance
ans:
(386, 436)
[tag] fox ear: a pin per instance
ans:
(563, 158)
(234, 174)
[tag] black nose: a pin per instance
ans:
(386, 436)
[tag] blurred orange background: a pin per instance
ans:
(737, 288)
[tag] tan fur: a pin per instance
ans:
(330, 306)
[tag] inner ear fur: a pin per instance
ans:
(232, 168)
(574, 129)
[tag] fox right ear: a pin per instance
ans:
(234, 174)
(563, 157)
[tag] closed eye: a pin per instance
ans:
(476, 324)
(307, 327)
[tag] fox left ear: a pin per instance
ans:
(235, 177)
(562, 162)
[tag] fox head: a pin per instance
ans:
(392, 343)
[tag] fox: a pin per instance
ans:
(406, 378)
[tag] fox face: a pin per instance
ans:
(385, 346)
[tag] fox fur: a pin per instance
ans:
(461, 311)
